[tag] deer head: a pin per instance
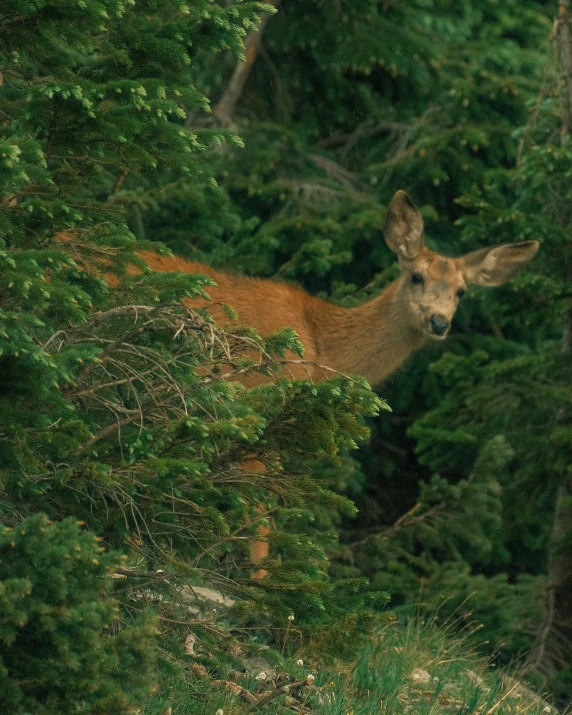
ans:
(432, 285)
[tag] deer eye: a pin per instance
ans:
(416, 278)
(461, 292)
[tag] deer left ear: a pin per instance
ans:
(497, 265)
(403, 227)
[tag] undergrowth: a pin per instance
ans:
(407, 667)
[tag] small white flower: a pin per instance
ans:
(220, 711)
(299, 661)
(310, 679)
(291, 618)
(546, 709)
(261, 676)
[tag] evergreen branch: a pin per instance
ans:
(155, 406)
(231, 536)
(121, 311)
(364, 130)
(325, 368)
(196, 323)
(161, 387)
(75, 157)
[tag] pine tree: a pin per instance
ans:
(58, 652)
(119, 403)
(344, 105)
(515, 389)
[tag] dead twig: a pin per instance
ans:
(225, 107)
(277, 692)
(405, 521)
(201, 672)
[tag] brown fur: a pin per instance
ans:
(374, 339)
(371, 340)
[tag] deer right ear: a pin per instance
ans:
(496, 265)
(403, 227)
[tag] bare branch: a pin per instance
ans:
(336, 171)
(234, 688)
(277, 692)
(405, 521)
(224, 108)
(365, 130)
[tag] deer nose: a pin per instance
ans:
(439, 325)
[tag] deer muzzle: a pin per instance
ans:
(439, 325)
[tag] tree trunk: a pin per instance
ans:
(224, 108)
(552, 651)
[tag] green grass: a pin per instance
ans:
(408, 668)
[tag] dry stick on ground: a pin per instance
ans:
(236, 689)
(277, 692)
(224, 108)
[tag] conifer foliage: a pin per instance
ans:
(346, 103)
(53, 657)
(123, 407)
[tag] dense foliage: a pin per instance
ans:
(120, 406)
(53, 657)
(118, 403)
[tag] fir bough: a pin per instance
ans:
(62, 648)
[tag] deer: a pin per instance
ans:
(374, 339)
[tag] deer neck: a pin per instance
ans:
(372, 340)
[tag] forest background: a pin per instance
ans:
(126, 124)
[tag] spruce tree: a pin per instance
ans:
(120, 404)
(53, 656)
(520, 389)
(344, 105)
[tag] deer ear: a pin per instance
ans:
(497, 265)
(403, 227)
